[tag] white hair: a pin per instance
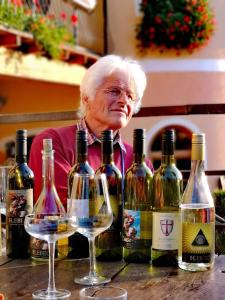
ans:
(104, 67)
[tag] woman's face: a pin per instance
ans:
(113, 104)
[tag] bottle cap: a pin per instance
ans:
(21, 134)
(198, 138)
(168, 135)
(81, 134)
(198, 146)
(139, 133)
(47, 145)
(107, 135)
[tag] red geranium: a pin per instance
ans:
(175, 24)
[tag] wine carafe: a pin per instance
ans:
(49, 222)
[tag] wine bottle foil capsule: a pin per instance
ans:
(198, 146)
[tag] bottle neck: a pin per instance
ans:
(168, 159)
(107, 152)
(21, 151)
(139, 147)
(198, 158)
(48, 169)
(82, 153)
(168, 152)
(197, 167)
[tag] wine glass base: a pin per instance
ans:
(92, 280)
(54, 295)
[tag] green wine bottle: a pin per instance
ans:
(196, 251)
(78, 244)
(109, 243)
(137, 212)
(167, 192)
(19, 201)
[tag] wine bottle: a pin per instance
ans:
(78, 244)
(19, 200)
(137, 212)
(109, 243)
(196, 251)
(167, 192)
(48, 199)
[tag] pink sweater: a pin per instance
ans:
(64, 145)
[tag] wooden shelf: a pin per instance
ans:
(21, 57)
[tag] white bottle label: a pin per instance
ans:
(79, 208)
(165, 235)
(84, 208)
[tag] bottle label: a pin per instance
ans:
(136, 228)
(115, 205)
(111, 238)
(19, 204)
(165, 231)
(197, 242)
(84, 208)
(39, 248)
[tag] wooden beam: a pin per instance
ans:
(199, 109)
(39, 117)
(144, 112)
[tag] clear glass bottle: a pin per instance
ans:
(109, 244)
(19, 201)
(78, 244)
(137, 212)
(197, 247)
(167, 192)
(48, 200)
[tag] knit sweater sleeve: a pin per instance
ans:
(63, 145)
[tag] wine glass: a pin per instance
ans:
(50, 227)
(90, 205)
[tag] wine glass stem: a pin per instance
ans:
(51, 277)
(92, 272)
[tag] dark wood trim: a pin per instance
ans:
(199, 109)
(207, 172)
(39, 117)
(193, 109)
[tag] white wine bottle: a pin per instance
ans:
(196, 251)
(137, 212)
(167, 192)
(109, 243)
(78, 243)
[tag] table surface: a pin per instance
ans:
(19, 278)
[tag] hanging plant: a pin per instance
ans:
(175, 24)
(48, 32)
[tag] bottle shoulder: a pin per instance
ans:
(197, 192)
(81, 168)
(22, 170)
(110, 170)
(168, 172)
(141, 170)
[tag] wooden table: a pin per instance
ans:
(18, 278)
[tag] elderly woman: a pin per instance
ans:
(111, 92)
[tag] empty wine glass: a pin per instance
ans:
(90, 206)
(49, 221)
(50, 227)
